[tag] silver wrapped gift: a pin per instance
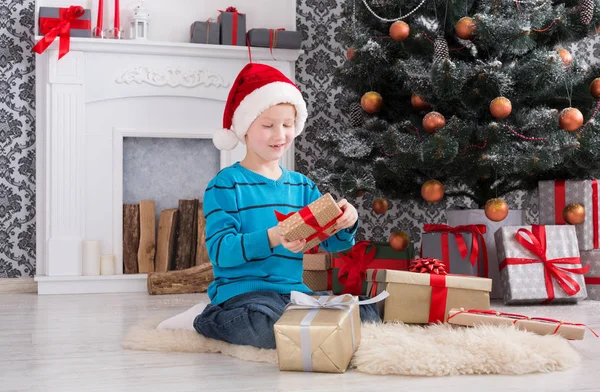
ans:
(549, 269)
(592, 277)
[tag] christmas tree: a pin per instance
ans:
(475, 98)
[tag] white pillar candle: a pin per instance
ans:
(107, 265)
(91, 258)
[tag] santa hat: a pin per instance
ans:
(256, 88)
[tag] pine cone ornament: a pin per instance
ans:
(428, 265)
(441, 51)
(357, 117)
(587, 11)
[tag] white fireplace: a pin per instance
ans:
(99, 93)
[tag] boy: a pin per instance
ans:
(255, 267)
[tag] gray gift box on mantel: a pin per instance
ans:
(54, 13)
(522, 273)
(432, 246)
(208, 32)
(233, 28)
(592, 277)
(276, 38)
(573, 191)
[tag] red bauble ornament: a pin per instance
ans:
(496, 210)
(428, 265)
(380, 206)
(500, 107)
(350, 53)
(371, 102)
(399, 241)
(399, 30)
(595, 88)
(433, 121)
(570, 119)
(418, 103)
(465, 28)
(565, 55)
(432, 191)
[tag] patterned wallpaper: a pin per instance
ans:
(17, 139)
(321, 24)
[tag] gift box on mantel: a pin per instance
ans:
(462, 249)
(317, 271)
(591, 258)
(274, 38)
(315, 222)
(208, 32)
(349, 268)
(540, 264)
(319, 334)
(556, 195)
(64, 23)
(421, 298)
(233, 27)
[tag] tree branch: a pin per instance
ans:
(463, 193)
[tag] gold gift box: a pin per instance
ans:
(540, 327)
(316, 261)
(318, 339)
(411, 293)
(316, 280)
(324, 209)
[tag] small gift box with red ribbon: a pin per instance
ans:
(462, 249)
(317, 270)
(421, 298)
(233, 27)
(350, 267)
(314, 223)
(274, 38)
(538, 325)
(591, 258)
(556, 195)
(207, 32)
(65, 23)
(540, 264)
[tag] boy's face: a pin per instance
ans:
(272, 133)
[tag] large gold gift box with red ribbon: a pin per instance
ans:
(315, 222)
(540, 264)
(556, 195)
(420, 298)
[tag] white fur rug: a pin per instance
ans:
(439, 350)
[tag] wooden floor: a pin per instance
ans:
(72, 343)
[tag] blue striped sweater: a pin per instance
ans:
(239, 207)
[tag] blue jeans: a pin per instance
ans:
(248, 318)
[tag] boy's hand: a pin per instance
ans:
(349, 216)
(276, 238)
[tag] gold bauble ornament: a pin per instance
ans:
(570, 119)
(500, 107)
(465, 28)
(399, 30)
(418, 103)
(574, 213)
(566, 56)
(432, 191)
(371, 102)
(380, 206)
(496, 210)
(433, 121)
(399, 241)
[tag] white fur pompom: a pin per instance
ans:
(225, 139)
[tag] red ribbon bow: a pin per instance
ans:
(309, 218)
(535, 242)
(477, 232)
(53, 27)
(354, 268)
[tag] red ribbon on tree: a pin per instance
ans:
(535, 242)
(309, 218)
(68, 18)
(477, 243)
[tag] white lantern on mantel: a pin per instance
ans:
(140, 21)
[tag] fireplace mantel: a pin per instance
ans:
(87, 102)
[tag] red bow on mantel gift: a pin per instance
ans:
(535, 242)
(477, 244)
(51, 28)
